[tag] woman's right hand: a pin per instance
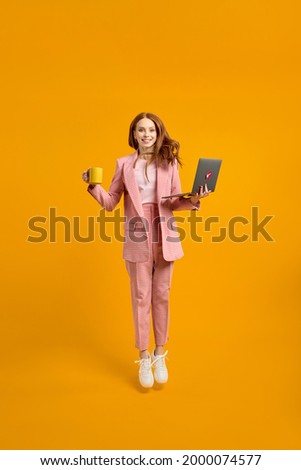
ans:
(85, 176)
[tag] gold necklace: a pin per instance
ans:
(146, 156)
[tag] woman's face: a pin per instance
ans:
(145, 134)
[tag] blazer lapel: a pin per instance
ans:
(131, 184)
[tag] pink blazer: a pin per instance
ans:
(124, 182)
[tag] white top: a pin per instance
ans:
(147, 188)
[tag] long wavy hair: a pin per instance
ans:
(166, 150)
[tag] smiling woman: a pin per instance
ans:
(148, 134)
(144, 177)
(145, 134)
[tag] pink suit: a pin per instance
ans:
(151, 244)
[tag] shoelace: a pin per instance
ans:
(145, 364)
(160, 360)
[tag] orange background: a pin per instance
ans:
(224, 76)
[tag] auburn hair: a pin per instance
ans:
(165, 148)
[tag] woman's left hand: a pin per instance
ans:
(203, 192)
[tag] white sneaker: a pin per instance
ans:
(161, 372)
(146, 377)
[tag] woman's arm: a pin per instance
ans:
(109, 200)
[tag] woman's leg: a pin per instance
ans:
(159, 350)
(141, 291)
(162, 275)
(141, 281)
(161, 282)
(144, 354)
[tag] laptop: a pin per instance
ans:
(206, 173)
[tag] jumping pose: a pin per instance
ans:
(152, 242)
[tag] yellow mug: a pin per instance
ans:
(95, 175)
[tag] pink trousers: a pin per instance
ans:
(150, 285)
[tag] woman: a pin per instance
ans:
(152, 242)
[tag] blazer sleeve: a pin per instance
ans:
(109, 200)
(179, 203)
